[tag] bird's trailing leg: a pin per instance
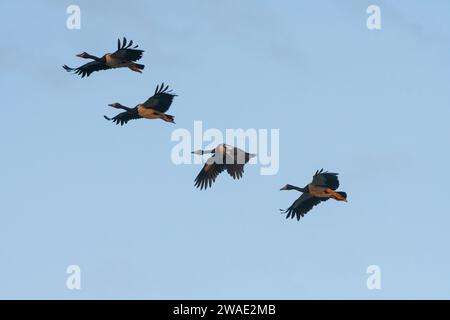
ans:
(135, 69)
(167, 118)
(336, 195)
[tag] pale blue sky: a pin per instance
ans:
(371, 105)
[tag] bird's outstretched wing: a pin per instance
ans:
(208, 174)
(161, 99)
(326, 179)
(123, 118)
(235, 170)
(126, 52)
(302, 205)
(234, 160)
(86, 69)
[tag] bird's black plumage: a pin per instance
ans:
(124, 53)
(302, 205)
(124, 117)
(321, 189)
(161, 99)
(224, 157)
(86, 69)
(153, 108)
(208, 174)
(326, 179)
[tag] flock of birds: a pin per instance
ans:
(223, 157)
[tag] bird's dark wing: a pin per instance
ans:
(235, 159)
(126, 52)
(88, 68)
(235, 170)
(302, 205)
(208, 174)
(326, 179)
(124, 117)
(161, 100)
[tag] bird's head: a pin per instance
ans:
(84, 55)
(116, 105)
(288, 187)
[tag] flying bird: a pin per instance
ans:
(124, 57)
(322, 188)
(154, 108)
(224, 157)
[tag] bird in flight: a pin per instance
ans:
(124, 57)
(224, 157)
(322, 188)
(154, 108)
